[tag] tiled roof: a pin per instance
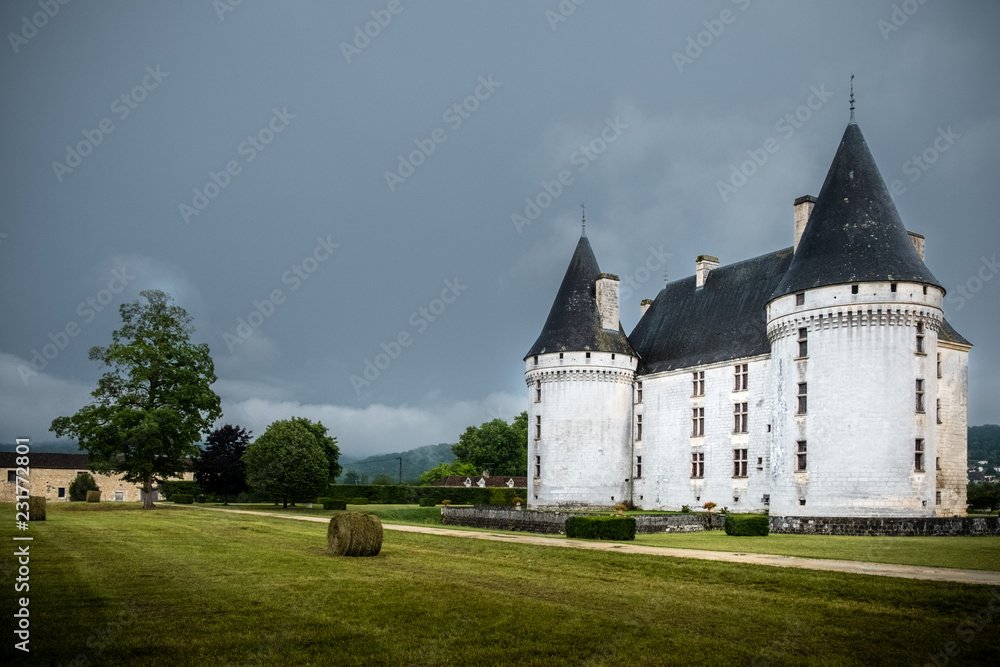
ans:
(47, 460)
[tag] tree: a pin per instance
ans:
(496, 446)
(155, 403)
(383, 480)
(78, 487)
(287, 463)
(984, 496)
(328, 444)
(352, 477)
(220, 468)
(447, 469)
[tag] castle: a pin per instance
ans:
(818, 380)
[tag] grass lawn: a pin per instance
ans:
(973, 553)
(112, 584)
(409, 514)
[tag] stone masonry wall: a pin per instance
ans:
(553, 523)
(886, 527)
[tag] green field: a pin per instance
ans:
(114, 585)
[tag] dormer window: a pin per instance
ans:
(854, 289)
(800, 299)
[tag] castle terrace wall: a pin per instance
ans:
(553, 523)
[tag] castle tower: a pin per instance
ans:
(579, 374)
(855, 328)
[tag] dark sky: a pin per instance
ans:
(230, 156)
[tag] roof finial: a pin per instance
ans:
(584, 223)
(852, 97)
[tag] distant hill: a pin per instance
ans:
(984, 444)
(55, 447)
(415, 462)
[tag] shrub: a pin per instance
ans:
(518, 499)
(36, 508)
(323, 500)
(182, 498)
(427, 502)
(501, 496)
(242, 497)
(354, 534)
(601, 527)
(359, 501)
(685, 509)
(747, 524)
(331, 504)
(201, 498)
(185, 487)
(446, 502)
(78, 487)
(93, 496)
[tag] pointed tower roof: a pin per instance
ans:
(854, 233)
(574, 323)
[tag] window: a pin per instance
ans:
(740, 418)
(11, 475)
(538, 427)
(612, 356)
(938, 410)
(742, 375)
(800, 463)
(538, 391)
(937, 497)
(803, 342)
(925, 289)
(802, 501)
(638, 427)
(560, 356)
(920, 337)
(698, 465)
(760, 463)
(939, 365)
(739, 463)
(536, 359)
(803, 405)
(638, 393)
(697, 422)
(918, 455)
(920, 395)
(854, 290)
(81, 472)
(892, 287)
(62, 491)
(800, 299)
(119, 495)
(638, 466)
(937, 463)
(588, 355)
(698, 378)
(538, 468)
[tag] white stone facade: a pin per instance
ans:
(860, 427)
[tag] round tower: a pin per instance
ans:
(853, 327)
(579, 375)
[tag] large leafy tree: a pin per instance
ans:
(287, 463)
(154, 403)
(496, 446)
(220, 468)
(328, 443)
(443, 470)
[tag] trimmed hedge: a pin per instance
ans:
(411, 495)
(329, 504)
(427, 502)
(601, 527)
(171, 487)
(182, 498)
(36, 508)
(359, 501)
(747, 524)
(93, 496)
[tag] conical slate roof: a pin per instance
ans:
(574, 323)
(854, 233)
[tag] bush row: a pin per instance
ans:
(747, 524)
(601, 527)
(411, 495)
(182, 498)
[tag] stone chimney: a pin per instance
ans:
(705, 264)
(918, 242)
(644, 306)
(803, 209)
(607, 301)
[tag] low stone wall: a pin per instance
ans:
(886, 527)
(553, 523)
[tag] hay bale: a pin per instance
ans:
(93, 496)
(36, 508)
(354, 534)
